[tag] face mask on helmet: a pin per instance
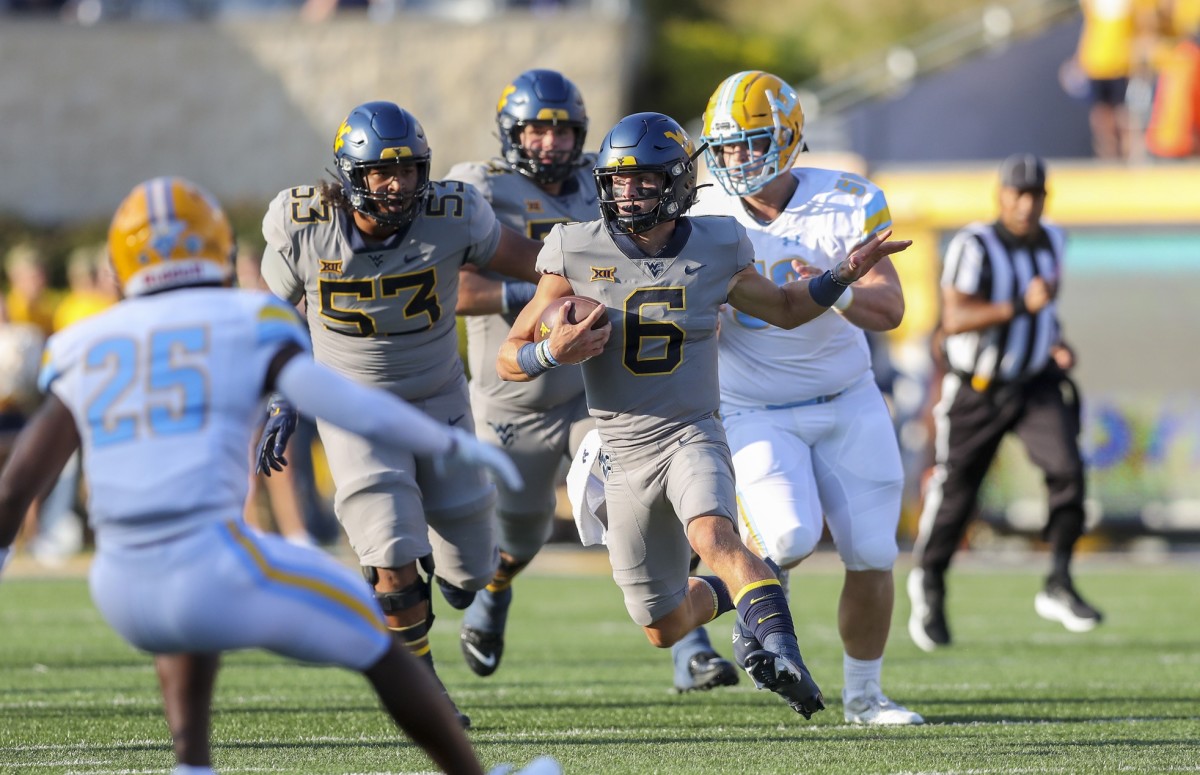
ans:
(382, 160)
(541, 98)
(754, 128)
(168, 233)
(645, 173)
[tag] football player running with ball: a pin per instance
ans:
(376, 257)
(651, 381)
(808, 428)
(541, 179)
(161, 394)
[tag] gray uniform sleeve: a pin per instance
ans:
(473, 173)
(279, 268)
(550, 257)
(483, 228)
(745, 249)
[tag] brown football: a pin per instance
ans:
(583, 307)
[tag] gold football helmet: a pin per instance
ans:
(763, 114)
(167, 233)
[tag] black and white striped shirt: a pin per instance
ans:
(988, 262)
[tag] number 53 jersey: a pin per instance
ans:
(380, 313)
(659, 368)
(165, 391)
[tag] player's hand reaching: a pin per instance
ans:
(281, 424)
(466, 448)
(867, 254)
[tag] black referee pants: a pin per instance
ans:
(1044, 413)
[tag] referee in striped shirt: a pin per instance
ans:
(1006, 371)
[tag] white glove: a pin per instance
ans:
(470, 450)
(543, 765)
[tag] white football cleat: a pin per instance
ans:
(873, 707)
(542, 765)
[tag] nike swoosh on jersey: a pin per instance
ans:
(410, 259)
(456, 419)
(487, 661)
(693, 269)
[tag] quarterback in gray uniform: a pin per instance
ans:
(667, 468)
(376, 257)
(542, 178)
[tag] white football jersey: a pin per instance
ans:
(166, 391)
(760, 364)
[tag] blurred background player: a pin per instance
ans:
(541, 178)
(168, 384)
(669, 486)
(1006, 371)
(812, 440)
(376, 256)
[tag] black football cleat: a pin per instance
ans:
(789, 680)
(706, 670)
(1059, 602)
(927, 619)
(482, 650)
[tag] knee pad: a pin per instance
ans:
(399, 600)
(794, 545)
(877, 553)
(457, 597)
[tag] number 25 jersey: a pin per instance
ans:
(165, 391)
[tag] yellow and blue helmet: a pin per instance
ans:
(381, 134)
(763, 112)
(168, 233)
(646, 142)
(540, 97)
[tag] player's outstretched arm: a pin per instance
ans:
(798, 302)
(379, 416)
(41, 450)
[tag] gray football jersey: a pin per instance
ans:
(659, 369)
(522, 205)
(382, 314)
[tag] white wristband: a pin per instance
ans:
(503, 298)
(845, 300)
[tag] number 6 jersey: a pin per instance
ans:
(659, 369)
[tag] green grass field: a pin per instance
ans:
(1014, 695)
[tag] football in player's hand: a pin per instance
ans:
(582, 307)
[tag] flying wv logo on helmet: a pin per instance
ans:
(653, 150)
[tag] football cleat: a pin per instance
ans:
(787, 678)
(542, 765)
(706, 670)
(482, 650)
(744, 642)
(872, 707)
(927, 621)
(1059, 602)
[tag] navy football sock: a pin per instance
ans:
(764, 611)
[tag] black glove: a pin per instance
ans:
(281, 424)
